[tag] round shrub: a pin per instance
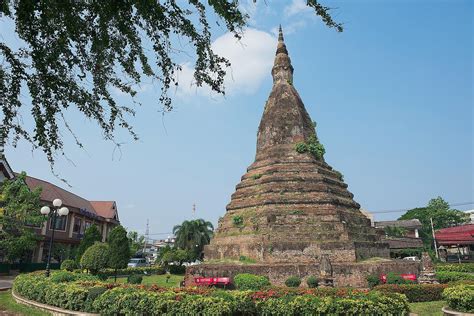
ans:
(460, 298)
(135, 279)
(68, 265)
(312, 282)
(96, 257)
(373, 280)
(293, 281)
(247, 281)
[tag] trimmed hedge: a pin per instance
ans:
(138, 270)
(460, 298)
(122, 299)
(247, 281)
(446, 277)
(66, 276)
(415, 292)
(455, 267)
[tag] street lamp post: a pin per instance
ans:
(57, 210)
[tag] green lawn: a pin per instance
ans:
(428, 308)
(159, 280)
(8, 304)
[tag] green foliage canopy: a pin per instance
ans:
(119, 248)
(19, 213)
(439, 210)
(193, 235)
(73, 54)
(96, 257)
(171, 255)
(91, 235)
(135, 242)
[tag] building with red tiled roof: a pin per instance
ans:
(456, 243)
(69, 230)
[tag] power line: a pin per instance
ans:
(406, 209)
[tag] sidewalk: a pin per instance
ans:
(6, 281)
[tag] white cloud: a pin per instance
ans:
(296, 7)
(251, 62)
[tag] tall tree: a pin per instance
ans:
(91, 235)
(119, 249)
(193, 235)
(136, 242)
(74, 53)
(19, 214)
(439, 211)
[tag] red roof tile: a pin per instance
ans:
(51, 192)
(463, 235)
(106, 209)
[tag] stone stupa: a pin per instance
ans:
(291, 209)
(292, 205)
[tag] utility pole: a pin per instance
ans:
(194, 211)
(147, 234)
(434, 238)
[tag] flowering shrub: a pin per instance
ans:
(127, 299)
(460, 298)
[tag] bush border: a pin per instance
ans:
(49, 308)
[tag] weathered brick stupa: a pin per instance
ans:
(291, 209)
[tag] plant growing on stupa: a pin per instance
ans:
(238, 220)
(312, 146)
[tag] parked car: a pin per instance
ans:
(137, 262)
(414, 258)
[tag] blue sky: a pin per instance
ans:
(392, 96)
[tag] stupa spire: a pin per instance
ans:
(282, 70)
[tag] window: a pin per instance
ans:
(87, 225)
(60, 223)
(77, 225)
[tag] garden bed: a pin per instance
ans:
(80, 292)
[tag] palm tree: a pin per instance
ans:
(193, 235)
